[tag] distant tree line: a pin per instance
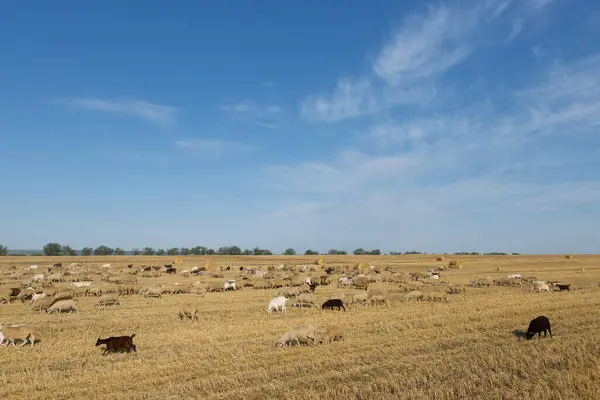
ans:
(56, 249)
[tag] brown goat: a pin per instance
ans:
(117, 344)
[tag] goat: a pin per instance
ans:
(562, 287)
(277, 303)
(333, 303)
(117, 344)
(537, 326)
(18, 332)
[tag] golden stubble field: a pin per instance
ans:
(464, 349)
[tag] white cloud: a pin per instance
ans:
(252, 108)
(425, 46)
(137, 108)
(569, 100)
(349, 170)
(418, 54)
(257, 114)
(348, 100)
(264, 125)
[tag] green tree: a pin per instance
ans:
(148, 251)
(359, 252)
(87, 251)
(210, 252)
(173, 251)
(260, 252)
(103, 250)
(68, 251)
(232, 251)
(52, 249)
(375, 252)
(160, 252)
(290, 252)
(310, 252)
(185, 251)
(3, 250)
(198, 250)
(119, 251)
(247, 252)
(136, 252)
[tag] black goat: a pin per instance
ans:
(537, 326)
(333, 303)
(117, 344)
(57, 265)
(312, 285)
(563, 287)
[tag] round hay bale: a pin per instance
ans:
(440, 258)
(568, 256)
(211, 266)
(455, 264)
(177, 261)
(320, 261)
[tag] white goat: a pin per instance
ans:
(37, 277)
(277, 303)
(541, 287)
(344, 281)
(37, 296)
(229, 285)
(82, 284)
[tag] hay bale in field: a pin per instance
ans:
(440, 258)
(320, 261)
(568, 256)
(455, 264)
(210, 266)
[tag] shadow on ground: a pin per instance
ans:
(519, 333)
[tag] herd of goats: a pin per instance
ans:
(55, 291)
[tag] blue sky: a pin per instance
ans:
(440, 127)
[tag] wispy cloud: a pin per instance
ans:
(252, 108)
(137, 108)
(348, 100)
(270, 126)
(503, 153)
(425, 46)
(213, 148)
(266, 116)
(349, 170)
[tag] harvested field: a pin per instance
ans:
(466, 348)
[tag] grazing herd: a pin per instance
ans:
(306, 334)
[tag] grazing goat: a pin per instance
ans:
(301, 334)
(333, 332)
(63, 305)
(117, 344)
(541, 287)
(277, 303)
(333, 303)
(18, 332)
(537, 326)
(562, 287)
